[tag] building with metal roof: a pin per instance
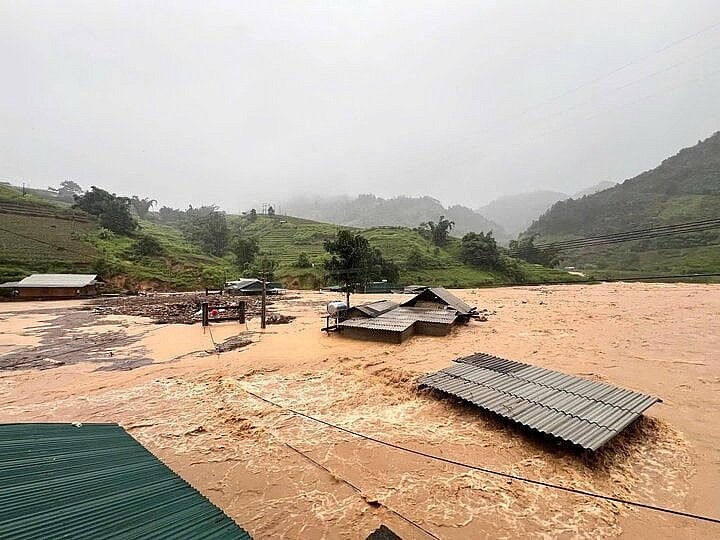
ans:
(252, 286)
(398, 324)
(96, 481)
(55, 286)
(584, 412)
(371, 309)
(439, 298)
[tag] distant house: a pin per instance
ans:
(53, 286)
(251, 286)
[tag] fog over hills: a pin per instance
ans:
(368, 210)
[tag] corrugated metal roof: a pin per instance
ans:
(378, 323)
(422, 315)
(58, 280)
(63, 481)
(400, 319)
(445, 296)
(584, 412)
(373, 309)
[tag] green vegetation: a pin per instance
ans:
(112, 211)
(167, 253)
(682, 189)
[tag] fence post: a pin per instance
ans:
(205, 320)
(241, 312)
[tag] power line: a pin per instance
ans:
(525, 112)
(663, 231)
(484, 469)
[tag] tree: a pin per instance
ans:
(113, 211)
(207, 227)
(142, 206)
(350, 259)
(67, 190)
(253, 215)
(264, 267)
(148, 246)
(270, 211)
(480, 249)
(437, 233)
(303, 261)
(525, 249)
(245, 248)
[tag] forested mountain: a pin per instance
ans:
(370, 211)
(683, 188)
(515, 213)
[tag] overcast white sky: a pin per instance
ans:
(237, 103)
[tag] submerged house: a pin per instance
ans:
(251, 286)
(54, 286)
(427, 314)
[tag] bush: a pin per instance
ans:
(148, 246)
(303, 261)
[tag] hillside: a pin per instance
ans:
(683, 188)
(38, 236)
(366, 211)
(515, 213)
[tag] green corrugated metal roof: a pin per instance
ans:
(95, 480)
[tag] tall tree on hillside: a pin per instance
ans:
(351, 259)
(525, 249)
(67, 190)
(245, 248)
(207, 227)
(142, 206)
(437, 233)
(113, 211)
(480, 249)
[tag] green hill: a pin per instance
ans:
(39, 236)
(683, 188)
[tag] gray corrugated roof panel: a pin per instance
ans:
(374, 309)
(58, 280)
(445, 296)
(423, 315)
(95, 480)
(586, 413)
(377, 323)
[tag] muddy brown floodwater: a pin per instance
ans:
(280, 475)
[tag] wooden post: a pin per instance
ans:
(241, 312)
(205, 318)
(262, 305)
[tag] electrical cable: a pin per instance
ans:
(486, 470)
(358, 490)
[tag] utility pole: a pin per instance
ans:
(262, 304)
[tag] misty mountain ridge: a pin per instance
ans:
(368, 210)
(515, 213)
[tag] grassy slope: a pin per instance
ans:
(682, 189)
(81, 246)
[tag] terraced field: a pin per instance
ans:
(44, 242)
